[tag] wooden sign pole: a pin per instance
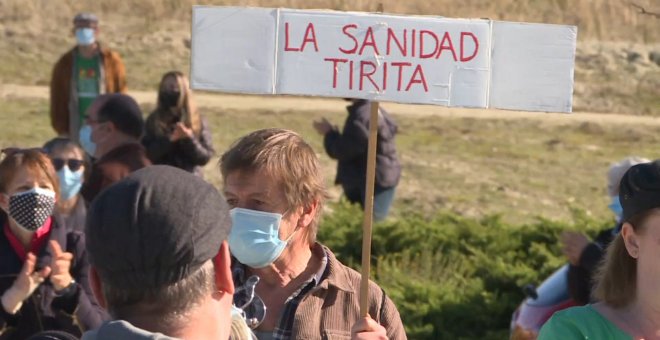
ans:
(368, 210)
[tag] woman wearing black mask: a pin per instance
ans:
(175, 133)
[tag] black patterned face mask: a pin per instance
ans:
(30, 209)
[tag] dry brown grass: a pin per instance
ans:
(612, 20)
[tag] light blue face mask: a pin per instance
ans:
(615, 206)
(70, 182)
(85, 137)
(254, 238)
(85, 36)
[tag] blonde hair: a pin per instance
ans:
(185, 107)
(239, 329)
(616, 278)
(288, 159)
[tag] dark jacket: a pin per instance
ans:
(63, 90)
(350, 146)
(75, 221)
(189, 154)
(580, 277)
(75, 312)
(114, 166)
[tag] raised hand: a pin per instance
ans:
(573, 243)
(60, 277)
(181, 131)
(322, 126)
(26, 282)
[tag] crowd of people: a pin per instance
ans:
(111, 232)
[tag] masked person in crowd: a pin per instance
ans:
(349, 147)
(43, 268)
(584, 256)
(159, 258)
(175, 133)
(70, 162)
(80, 75)
(112, 135)
(273, 183)
(628, 281)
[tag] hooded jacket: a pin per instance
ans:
(350, 147)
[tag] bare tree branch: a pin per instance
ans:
(643, 10)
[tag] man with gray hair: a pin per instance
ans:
(80, 75)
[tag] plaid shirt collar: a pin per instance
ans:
(284, 327)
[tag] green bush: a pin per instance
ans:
(453, 277)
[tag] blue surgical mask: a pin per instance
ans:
(254, 238)
(70, 182)
(615, 206)
(85, 137)
(85, 36)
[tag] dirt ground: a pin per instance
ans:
(288, 103)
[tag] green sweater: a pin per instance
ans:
(581, 323)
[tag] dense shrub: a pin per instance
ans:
(453, 277)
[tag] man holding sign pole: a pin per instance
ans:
(273, 183)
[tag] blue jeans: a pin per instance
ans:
(383, 198)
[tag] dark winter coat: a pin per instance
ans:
(189, 154)
(349, 148)
(580, 277)
(74, 312)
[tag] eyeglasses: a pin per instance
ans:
(73, 164)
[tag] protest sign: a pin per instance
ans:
(408, 59)
(424, 60)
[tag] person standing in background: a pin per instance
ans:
(71, 165)
(627, 282)
(583, 255)
(80, 75)
(349, 148)
(175, 133)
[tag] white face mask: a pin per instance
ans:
(85, 36)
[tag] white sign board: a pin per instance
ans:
(408, 59)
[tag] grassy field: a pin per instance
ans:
(519, 168)
(613, 70)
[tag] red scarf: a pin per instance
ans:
(38, 241)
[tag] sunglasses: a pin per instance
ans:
(73, 164)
